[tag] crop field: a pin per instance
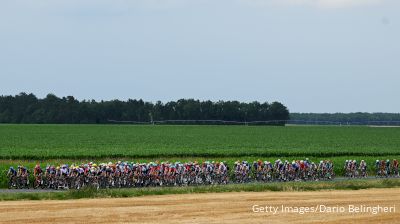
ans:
(58, 144)
(39, 142)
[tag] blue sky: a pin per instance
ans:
(312, 55)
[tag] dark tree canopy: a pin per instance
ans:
(27, 108)
(344, 118)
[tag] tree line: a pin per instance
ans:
(344, 118)
(27, 108)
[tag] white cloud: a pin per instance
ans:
(328, 4)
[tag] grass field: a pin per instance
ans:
(38, 142)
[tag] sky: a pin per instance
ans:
(311, 55)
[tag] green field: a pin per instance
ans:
(115, 141)
(58, 144)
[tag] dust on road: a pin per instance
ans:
(205, 208)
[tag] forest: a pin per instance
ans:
(27, 108)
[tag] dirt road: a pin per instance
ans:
(210, 208)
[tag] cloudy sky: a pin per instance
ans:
(312, 55)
